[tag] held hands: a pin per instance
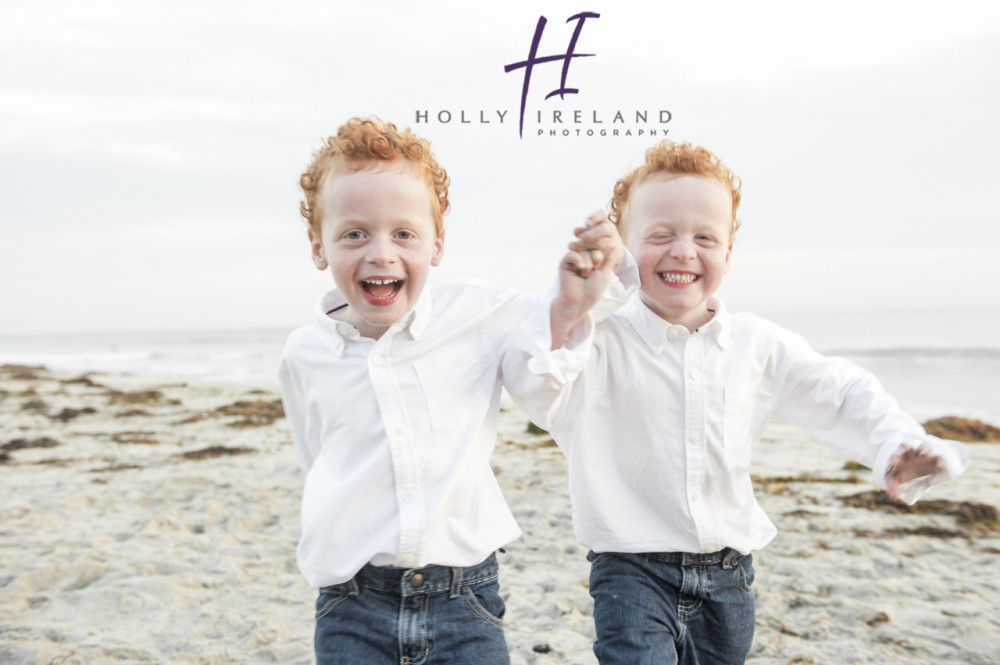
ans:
(584, 273)
(597, 246)
(907, 464)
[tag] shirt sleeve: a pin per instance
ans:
(538, 379)
(294, 403)
(845, 407)
(623, 284)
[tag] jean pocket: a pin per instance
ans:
(596, 559)
(485, 601)
(329, 598)
(627, 559)
(746, 573)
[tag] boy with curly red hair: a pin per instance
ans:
(659, 410)
(392, 396)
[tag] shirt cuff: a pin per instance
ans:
(560, 365)
(628, 272)
(614, 297)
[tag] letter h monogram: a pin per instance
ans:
(534, 59)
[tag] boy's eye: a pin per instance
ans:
(404, 235)
(353, 235)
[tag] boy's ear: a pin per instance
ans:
(316, 247)
(438, 250)
(729, 256)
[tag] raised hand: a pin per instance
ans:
(584, 273)
(599, 238)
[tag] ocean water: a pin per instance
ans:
(941, 363)
(934, 365)
(247, 357)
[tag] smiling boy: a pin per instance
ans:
(682, 242)
(379, 237)
(392, 397)
(658, 414)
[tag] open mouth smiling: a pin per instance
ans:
(377, 290)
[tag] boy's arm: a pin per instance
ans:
(846, 407)
(294, 404)
(584, 274)
(549, 351)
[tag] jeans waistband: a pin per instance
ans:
(727, 557)
(412, 581)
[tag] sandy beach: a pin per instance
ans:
(153, 522)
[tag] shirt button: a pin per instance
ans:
(377, 361)
(408, 497)
(672, 332)
(398, 430)
(417, 580)
(409, 560)
(695, 374)
(696, 438)
(342, 328)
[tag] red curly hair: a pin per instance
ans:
(668, 157)
(361, 143)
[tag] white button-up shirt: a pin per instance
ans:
(395, 434)
(658, 423)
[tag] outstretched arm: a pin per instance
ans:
(845, 407)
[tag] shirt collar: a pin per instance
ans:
(721, 324)
(337, 333)
(418, 317)
(657, 332)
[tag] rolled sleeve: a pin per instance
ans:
(540, 379)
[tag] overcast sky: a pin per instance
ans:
(150, 151)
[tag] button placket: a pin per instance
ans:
(404, 458)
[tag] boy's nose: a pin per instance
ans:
(683, 248)
(380, 251)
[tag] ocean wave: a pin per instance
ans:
(971, 353)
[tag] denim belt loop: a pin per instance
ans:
(352, 586)
(731, 559)
(456, 582)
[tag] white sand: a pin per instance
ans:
(120, 551)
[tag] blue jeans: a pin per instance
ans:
(672, 607)
(421, 616)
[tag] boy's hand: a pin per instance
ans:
(584, 273)
(599, 238)
(908, 463)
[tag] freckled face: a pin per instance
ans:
(378, 238)
(678, 230)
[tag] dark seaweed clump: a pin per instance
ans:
(970, 514)
(962, 429)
